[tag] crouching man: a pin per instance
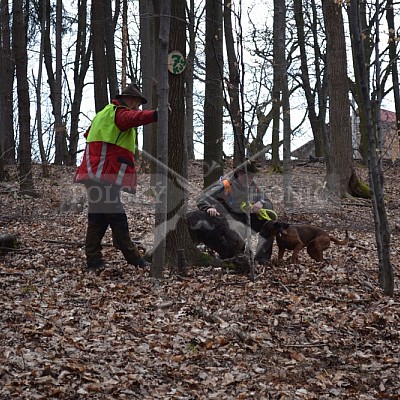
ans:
(233, 197)
(215, 233)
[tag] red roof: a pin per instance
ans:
(388, 116)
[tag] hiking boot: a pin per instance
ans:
(142, 263)
(95, 266)
(263, 260)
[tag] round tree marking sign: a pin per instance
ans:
(176, 62)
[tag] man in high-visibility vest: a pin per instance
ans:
(235, 197)
(108, 165)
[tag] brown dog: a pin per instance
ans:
(296, 237)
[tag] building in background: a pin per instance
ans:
(390, 146)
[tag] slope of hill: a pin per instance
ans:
(304, 331)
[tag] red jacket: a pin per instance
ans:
(110, 146)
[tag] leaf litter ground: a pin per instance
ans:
(299, 331)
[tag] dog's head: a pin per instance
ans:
(273, 228)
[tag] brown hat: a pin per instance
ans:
(249, 166)
(132, 90)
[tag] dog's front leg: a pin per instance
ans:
(281, 252)
(296, 250)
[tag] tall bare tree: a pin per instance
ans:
(147, 57)
(61, 152)
(278, 64)
(341, 175)
(234, 85)
(98, 35)
(394, 59)
(54, 78)
(81, 65)
(368, 42)
(310, 94)
(155, 22)
(280, 60)
(110, 22)
(124, 45)
(382, 233)
(6, 88)
(19, 31)
(161, 211)
(42, 17)
(189, 83)
(178, 236)
(213, 102)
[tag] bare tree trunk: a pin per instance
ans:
(340, 169)
(233, 88)
(59, 127)
(190, 81)
(305, 78)
(394, 59)
(160, 230)
(213, 102)
(178, 238)
(81, 66)
(6, 88)
(98, 32)
(42, 151)
(382, 233)
(366, 28)
(278, 48)
(125, 41)
(155, 48)
(280, 31)
(110, 46)
(146, 63)
(21, 64)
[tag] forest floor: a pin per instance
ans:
(298, 331)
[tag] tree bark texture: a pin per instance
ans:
(61, 151)
(382, 232)
(213, 102)
(177, 233)
(21, 64)
(189, 81)
(147, 63)
(161, 221)
(98, 32)
(6, 88)
(110, 46)
(340, 168)
(233, 84)
(394, 60)
(81, 65)
(305, 79)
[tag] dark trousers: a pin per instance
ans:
(106, 209)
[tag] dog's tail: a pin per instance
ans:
(340, 242)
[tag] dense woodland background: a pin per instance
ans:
(254, 72)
